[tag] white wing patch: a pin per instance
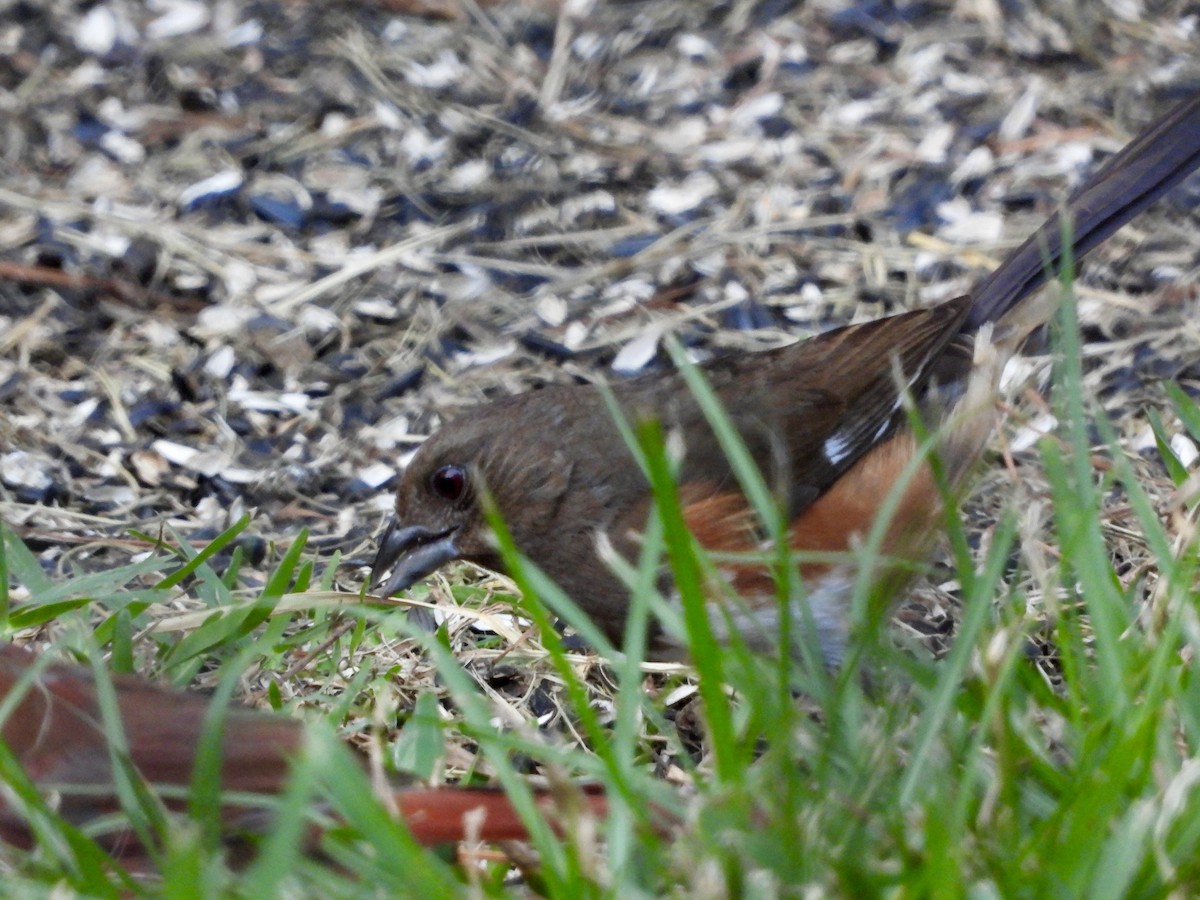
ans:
(837, 447)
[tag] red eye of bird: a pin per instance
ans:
(449, 482)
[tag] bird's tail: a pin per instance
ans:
(1143, 171)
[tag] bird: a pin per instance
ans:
(55, 728)
(827, 420)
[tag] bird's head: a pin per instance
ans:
(501, 452)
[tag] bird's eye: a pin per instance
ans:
(449, 483)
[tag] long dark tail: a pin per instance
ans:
(1143, 171)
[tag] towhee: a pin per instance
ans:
(55, 730)
(824, 419)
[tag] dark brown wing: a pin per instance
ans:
(808, 411)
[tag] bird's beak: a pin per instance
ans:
(411, 552)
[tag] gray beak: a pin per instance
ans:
(411, 552)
